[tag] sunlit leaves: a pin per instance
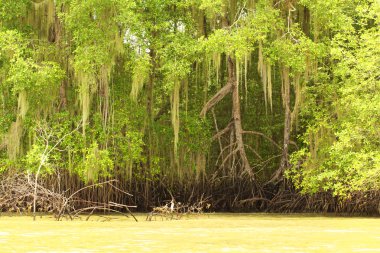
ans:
(40, 81)
(212, 7)
(346, 159)
(11, 9)
(97, 164)
(294, 49)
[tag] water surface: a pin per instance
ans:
(207, 233)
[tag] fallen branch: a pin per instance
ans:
(20, 193)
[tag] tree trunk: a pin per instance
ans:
(232, 86)
(306, 21)
(236, 115)
(149, 108)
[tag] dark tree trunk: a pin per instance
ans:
(306, 21)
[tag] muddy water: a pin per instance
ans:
(208, 233)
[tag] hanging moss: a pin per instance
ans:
(42, 17)
(16, 129)
(269, 86)
(85, 81)
(217, 63)
(265, 72)
(298, 100)
(141, 72)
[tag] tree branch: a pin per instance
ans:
(223, 131)
(265, 137)
(216, 98)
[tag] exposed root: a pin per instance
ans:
(17, 193)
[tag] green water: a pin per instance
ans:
(208, 233)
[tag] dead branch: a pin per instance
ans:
(20, 193)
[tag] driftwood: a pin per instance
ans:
(18, 192)
(176, 210)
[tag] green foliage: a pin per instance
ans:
(97, 163)
(138, 73)
(22, 73)
(178, 56)
(336, 15)
(12, 45)
(345, 158)
(38, 80)
(10, 10)
(212, 8)
(36, 159)
(294, 49)
(128, 148)
(195, 135)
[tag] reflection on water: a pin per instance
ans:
(208, 233)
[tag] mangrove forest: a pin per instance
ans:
(189, 105)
